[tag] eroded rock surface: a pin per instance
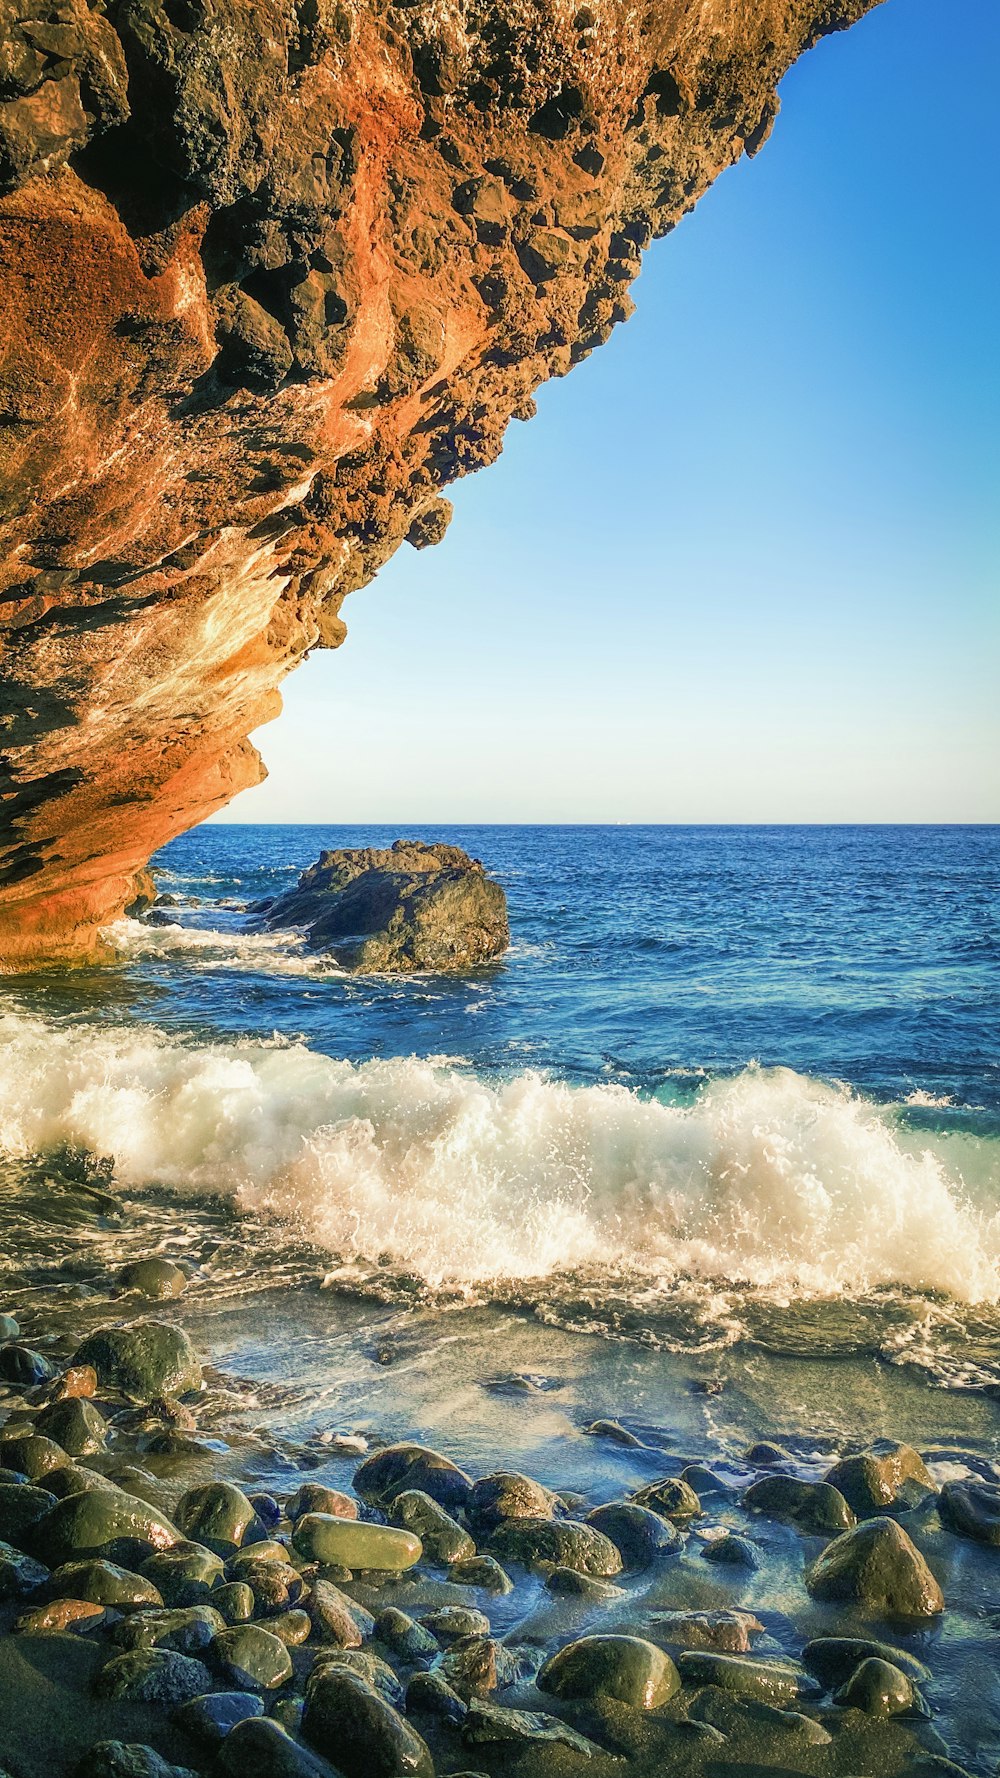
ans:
(271, 276)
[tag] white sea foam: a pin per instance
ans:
(768, 1179)
(273, 953)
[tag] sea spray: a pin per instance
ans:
(766, 1179)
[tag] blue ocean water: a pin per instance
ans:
(642, 954)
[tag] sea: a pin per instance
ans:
(713, 1151)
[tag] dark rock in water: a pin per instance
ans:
(813, 1506)
(103, 1583)
(481, 1571)
(640, 1535)
(336, 1619)
(20, 1575)
(409, 907)
(24, 1367)
(615, 1432)
(407, 1639)
(388, 1472)
(450, 1623)
(153, 1676)
(217, 1515)
(76, 1425)
(153, 1278)
(251, 1658)
(569, 1583)
(477, 1665)
(879, 1689)
(146, 1360)
(563, 1542)
(834, 1658)
(971, 1509)
(347, 1721)
(269, 1512)
(212, 1716)
(704, 1481)
(622, 1667)
(185, 1573)
(127, 1759)
(765, 1455)
(731, 1551)
(879, 1570)
(887, 1477)
(671, 1498)
(729, 1632)
(492, 1724)
(773, 1682)
(507, 1495)
(21, 1508)
(443, 1539)
(260, 1748)
(434, 1696)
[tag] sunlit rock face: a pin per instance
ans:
(272, 274)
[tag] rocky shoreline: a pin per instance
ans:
(159, 1615)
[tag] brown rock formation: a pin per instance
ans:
(271, 275)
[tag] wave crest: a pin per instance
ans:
(769, 1180)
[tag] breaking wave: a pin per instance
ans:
(768, 1180)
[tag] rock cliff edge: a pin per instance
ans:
(272, 274)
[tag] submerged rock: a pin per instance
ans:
(834, 1658)
(563, 1542)
(879, 1570)
(773, 1682)
(972, 1509)
(623, 1667)
(153, 1278)
(409, 907)
(640, 1535)
(879, 1689)
(147, 1360)
(397, 1467)
(813, 1506)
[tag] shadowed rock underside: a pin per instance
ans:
(271, 276)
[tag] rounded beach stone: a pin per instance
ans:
(291, 1627)
(267, 1509)
(567, 1583)
(813, 1506)
(565, 1543)
(641, 1536)
(211, 1717)
(276, 1586)
(153, 1278)
(508, 1495)
(623, 1667)
(478, 1665)
(127, 1759)
(336, 1619)
(76, 1425)
(387, 1472)
(450, 1622)
(263, 1748)
(347, 1721)
(885, 1476)
(10, 1329)
(234, 1601)
(101, 1522)
(313, 1497)
(834, 1658)
(20, 1575)
(879, 1570)
(971, 1509)
(218, 1515)
(371, 1667)
(185, 1574)
(75, 1478)
(351, 1543)
(252, 1658)
(103, 1583)
(34, 1456)
(773, 1682)
(407, 1639)
(146, 1360)
(22, 1507)
(481, 1571)
(443, 1539)
(731, 1551)
(670, 1497)
(878, 1688)
(60, 1615)
(187, 1629)
(434, 1696)
(153, 1676)
(24, 1367)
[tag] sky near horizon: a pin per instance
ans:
(745, 564)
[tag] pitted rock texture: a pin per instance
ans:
(271, 276)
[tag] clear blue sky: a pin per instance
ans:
(745, 564)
